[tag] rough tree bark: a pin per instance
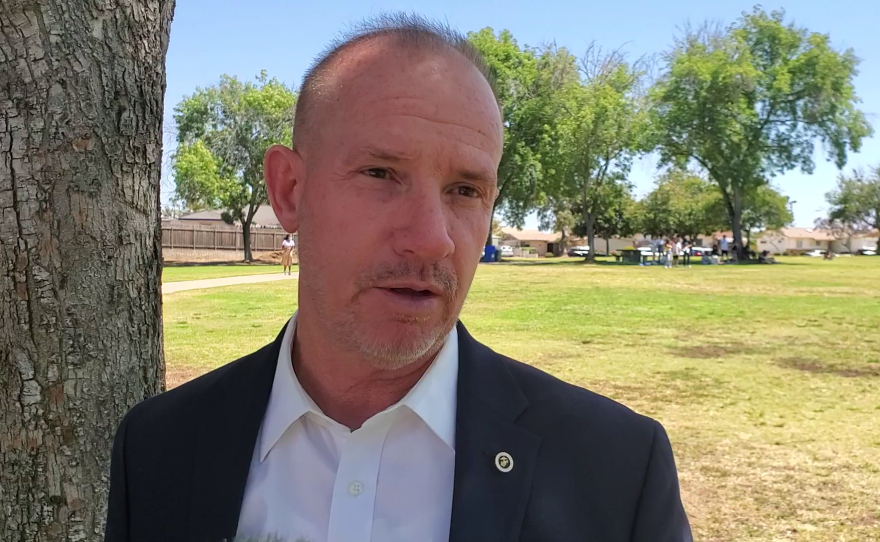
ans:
(81, 92)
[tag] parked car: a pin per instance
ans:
(699, 252)
(579, 252)
(815, 253)
(867, 251)
(506, 251)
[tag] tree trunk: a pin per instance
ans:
(563, 243)
(591, 236)
(491, 223)
(246, 238)
(736, 223)
(607, 246)
(81, 93)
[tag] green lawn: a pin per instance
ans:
(766, 377)
(198, 272)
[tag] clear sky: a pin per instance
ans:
(242, 37)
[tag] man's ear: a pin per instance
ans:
(283, 170)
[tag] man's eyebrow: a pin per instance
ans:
(387, 155)
(477, 175)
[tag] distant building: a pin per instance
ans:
(542, 242)
(800, 240)
(264, 217)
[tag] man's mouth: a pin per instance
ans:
(411, 292)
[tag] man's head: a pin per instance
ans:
(390, 186)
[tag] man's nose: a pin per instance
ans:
(423, 228)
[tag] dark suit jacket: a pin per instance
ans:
(585, 467)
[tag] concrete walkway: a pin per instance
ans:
(172, 287)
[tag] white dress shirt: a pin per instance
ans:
(311, 479)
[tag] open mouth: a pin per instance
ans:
(411, 292)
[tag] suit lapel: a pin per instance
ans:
(487, 504)
(227, 437)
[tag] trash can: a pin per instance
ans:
(489, 254)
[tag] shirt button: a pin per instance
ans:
(355, 489)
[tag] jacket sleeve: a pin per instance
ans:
(661, 516)
(116, 529)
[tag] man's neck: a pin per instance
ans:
(346, 387)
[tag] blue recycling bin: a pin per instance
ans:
(490, 254)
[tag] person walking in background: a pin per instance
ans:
(287, 247)
(725, 248)
(667, 253)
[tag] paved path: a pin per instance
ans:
(171, 287)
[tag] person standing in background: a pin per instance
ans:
(725, 249)
(676, 251)
(687, 253)
(287, 248)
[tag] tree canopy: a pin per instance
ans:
(602, 122)
(751, 101)
(855, 202)
(682, 203)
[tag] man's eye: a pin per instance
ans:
(467, 191)
(378, 173)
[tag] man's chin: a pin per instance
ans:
(402, 341)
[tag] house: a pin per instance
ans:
(794, 240)
(264, 217)
(540, 241)
(854, 243)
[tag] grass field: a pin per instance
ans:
(767, 378)
(198, 272)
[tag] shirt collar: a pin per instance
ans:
(433, 398)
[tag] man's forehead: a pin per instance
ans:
(380, 64)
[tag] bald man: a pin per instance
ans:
(375, 416)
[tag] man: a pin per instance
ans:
(725, 249)
(375, 416)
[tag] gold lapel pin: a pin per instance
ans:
(504, 462)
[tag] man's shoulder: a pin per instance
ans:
(188, 402)
(553, 402)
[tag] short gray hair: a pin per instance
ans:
(404, 29)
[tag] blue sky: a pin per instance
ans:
(242, 37)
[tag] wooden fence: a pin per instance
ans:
(261, 239)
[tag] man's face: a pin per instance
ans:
(395, 201)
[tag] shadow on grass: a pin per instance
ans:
(816, 367)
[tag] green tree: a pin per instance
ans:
(222, 134)
(602, 126)
(765, 209)
(856, 200)
(750, 101)
(682, 203)
(514, 69)
(619, 213)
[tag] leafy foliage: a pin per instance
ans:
(765, 209)
(682, 203)
(856, 200)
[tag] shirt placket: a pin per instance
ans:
(354, 492)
